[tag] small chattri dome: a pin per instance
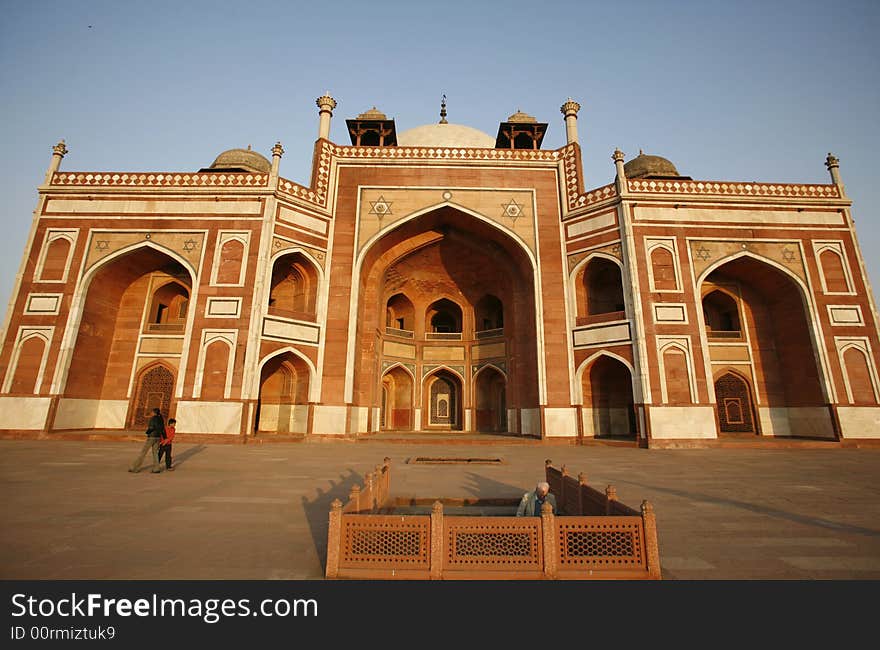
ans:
(645, 166)
(372, 114)
(519, 116)
(241, 160)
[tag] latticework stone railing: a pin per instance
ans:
(772, 190)
(593, 537)
(170, 179)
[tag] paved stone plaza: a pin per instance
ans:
(72, 511)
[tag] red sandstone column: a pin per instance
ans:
(436, 541)
(652, 548)
(548, 538)
(334, 535)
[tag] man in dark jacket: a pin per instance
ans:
(155, 434)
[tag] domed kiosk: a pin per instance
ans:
(648, 166)
(240, 160)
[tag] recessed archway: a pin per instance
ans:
(608, 403)
(443, 400)
(121, 296)
(775, 346)
(490, 400)
(283, 404)
(460, 274)
(397, 402)
(735, 406)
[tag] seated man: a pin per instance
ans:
(531, 503)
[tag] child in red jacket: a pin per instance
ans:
(165, 444)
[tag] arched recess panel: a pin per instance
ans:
(55, 260)
(833, 272)
(397, 385)
(400, 314)
(231, 261)
(490, 401)
(215, 371)
(608, 398)
(721, 315)
(858, 376)
(663, 269)
(27, 368)
(677, 376)
(154, 389)
(603, 287)
(736, 408)
(294, 287)
(284, 395)
(443, 392)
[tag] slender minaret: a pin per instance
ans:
(58, 152)
(326, 104)
(277, 152)
(833, 165)
(570, 110)
(620, 181)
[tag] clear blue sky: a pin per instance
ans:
(740, 91)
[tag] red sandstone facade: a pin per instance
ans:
(436, 281)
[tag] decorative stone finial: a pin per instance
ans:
(278, 150)
(327, 101)
(618, 156)
(831, 161)
(443, 110)
(61, 148)
(647, 508)
(570, 107)
(437, 508)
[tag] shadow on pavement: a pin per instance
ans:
(317, 509)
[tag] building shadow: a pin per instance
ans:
(317, 508)
(485, 487)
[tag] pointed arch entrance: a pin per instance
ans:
(490, 400)
(155, 389)
(608, 398)
(283, 404)
(760, 334)
(136, 295)
(397, 400)
(447, 288)
(736, 409)
(443, 392)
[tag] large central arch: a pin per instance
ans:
(447, 288)
(104, 380)
(759, 313)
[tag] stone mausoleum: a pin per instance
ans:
(442, 279)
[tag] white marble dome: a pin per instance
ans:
(445, 135)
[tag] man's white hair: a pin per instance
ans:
(543, 485)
